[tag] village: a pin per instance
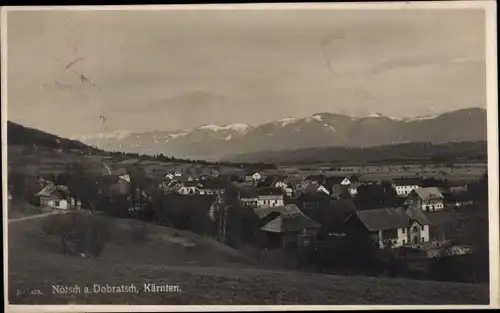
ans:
(280, 219)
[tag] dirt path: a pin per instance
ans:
(31, 217)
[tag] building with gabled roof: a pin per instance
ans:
(394, 227)
(56, 197)
(426, 199)
(404, 186)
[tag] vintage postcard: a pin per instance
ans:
(250, 157)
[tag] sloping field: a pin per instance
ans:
(199, 274)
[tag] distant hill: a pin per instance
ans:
(213, 142)
(401, 153)
(25, 136)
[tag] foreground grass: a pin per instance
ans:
(204, 275)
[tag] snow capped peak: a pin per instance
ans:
(376, 114)
(237, 126)
(211, 127)
(286, 121)
(317, 117)
(240, 127)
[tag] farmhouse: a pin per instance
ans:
(393, 227)
(56, 197)
(426, 199)
(404, 186)
(290, 229)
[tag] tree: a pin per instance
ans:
(376, 196)
(88, 233)
(84, 187)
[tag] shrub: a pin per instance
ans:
(88, 233)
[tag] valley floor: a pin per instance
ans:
(205, 272)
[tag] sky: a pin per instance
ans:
(77, 73)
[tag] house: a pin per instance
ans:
(285, 229)
(261, 198)
(404, 186)
(426, 199)
(270, 197)
(332, 214)
(169, 176)
(189, 188)
(57, 197)
(313, 188)
(393, 227)
(274, 181)
(177, 173)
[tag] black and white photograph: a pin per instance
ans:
(265, 155)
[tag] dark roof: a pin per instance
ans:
(313, 197)
(190, 183)
(354, 179)
(339, 190)
(290, 223)
(408, 181)
(391, 218)
(316, 178)
(313, 189)
(383, 219)
(59, 190)
(284, 209)
(247, 192)
(418, 215)
(270, 191)
(212, 184)
(333, 180)
(428, 193)
(332, 214)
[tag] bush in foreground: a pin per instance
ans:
(88, 233)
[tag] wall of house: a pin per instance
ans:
(58, 204)
(432, 205)
(270, 201)
(403, 191)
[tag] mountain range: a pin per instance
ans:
(214, 142)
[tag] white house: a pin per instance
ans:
(57, 197)
(426, 199)
(177, 173)
(169, 176)
(396, 227)
(256, 176)
(404, 186)
(264, 198)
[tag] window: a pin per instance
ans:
(403, 230)
(404, 241)
(423, 239)
(415, 229)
